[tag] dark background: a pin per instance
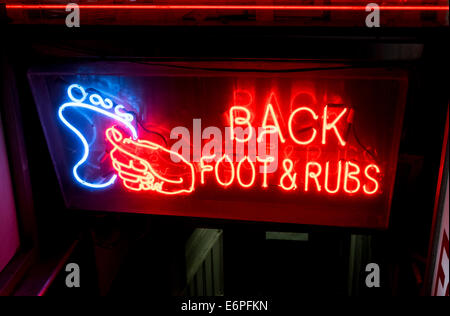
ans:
(149, 250)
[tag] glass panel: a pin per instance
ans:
(136, 138)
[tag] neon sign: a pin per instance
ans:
(98, 105)
(291, 147)
(146, 166)
(138, 174)
(143, 165)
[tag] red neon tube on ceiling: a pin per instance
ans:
(226, 7)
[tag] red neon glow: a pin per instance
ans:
(228, 159)
(351, 175)
(313, 175)
(238, 171)
(146, 166)
(240, 121)
(326, 127)
(327, 175)
(375, 182)
(291, 132)
(242, 98)
(228, 7)
(303, 97)
(205, 168)
(288, 167)
(265, 165)
(271, 129)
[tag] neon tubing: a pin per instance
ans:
(146, 175)
(79, 103)
(228, 7)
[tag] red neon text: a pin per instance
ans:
(315, 161)
(302, 126)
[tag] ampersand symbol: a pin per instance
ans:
(288, 167)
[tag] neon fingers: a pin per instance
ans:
(147, 166)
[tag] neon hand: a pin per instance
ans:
(147, 166)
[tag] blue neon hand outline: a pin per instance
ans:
(99, 105)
